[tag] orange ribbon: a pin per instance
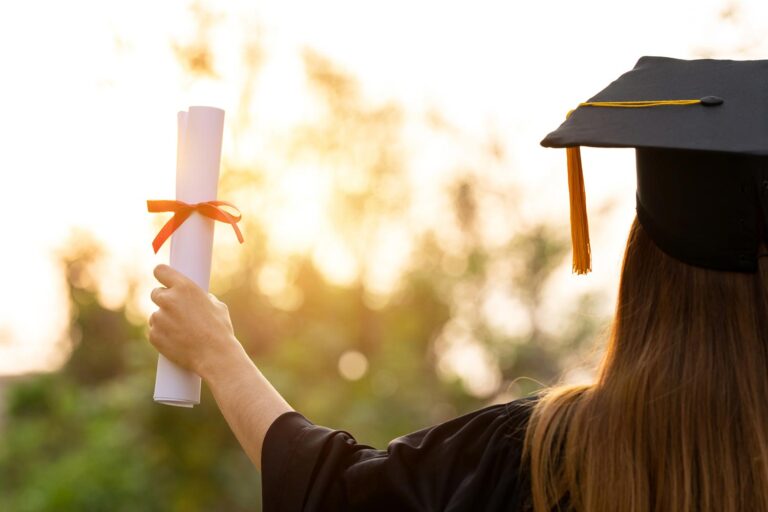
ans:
(181, 211)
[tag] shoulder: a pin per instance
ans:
(502, 423)
(470, 462)
(518, 412)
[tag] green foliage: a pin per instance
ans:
(89, 437)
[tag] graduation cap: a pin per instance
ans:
(700, 133)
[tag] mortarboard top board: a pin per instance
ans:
(700, 130)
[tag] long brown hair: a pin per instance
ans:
(677, 419)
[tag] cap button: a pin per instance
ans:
(710, 101)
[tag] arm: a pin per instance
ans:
(468, 463)
(248, 402)
(464, 464)
(194, 330)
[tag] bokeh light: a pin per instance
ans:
(406, 235)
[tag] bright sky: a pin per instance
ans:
(90, 92)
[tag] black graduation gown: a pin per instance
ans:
(468, 463)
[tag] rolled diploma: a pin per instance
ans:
(198, 154)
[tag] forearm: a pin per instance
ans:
(247, 401)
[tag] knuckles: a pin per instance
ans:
(155, 296)
(154, 335)
(154, 319)
(159, 272)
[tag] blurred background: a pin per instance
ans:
(407, 250)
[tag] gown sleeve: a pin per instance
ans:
(468, 463)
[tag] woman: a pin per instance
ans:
(677, 418)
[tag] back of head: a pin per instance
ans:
(678, 416)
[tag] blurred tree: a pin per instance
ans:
(89, 438)
(376, 363)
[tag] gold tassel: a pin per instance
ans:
(582, 256)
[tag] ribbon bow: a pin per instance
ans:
(181, 211)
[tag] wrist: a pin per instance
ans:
(223, 362)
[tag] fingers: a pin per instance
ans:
(153, 332)
(158, 323)
(169, 276)
(218, 302)
(159, 296)
(150, 320)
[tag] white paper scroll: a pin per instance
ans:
(198, 155)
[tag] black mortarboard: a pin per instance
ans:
(700, 129)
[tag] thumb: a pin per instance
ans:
(169, 276)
